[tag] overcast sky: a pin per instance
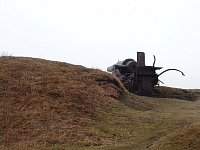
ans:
(98, 33)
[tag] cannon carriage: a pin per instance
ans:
(136, 76)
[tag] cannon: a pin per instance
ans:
(136, 76)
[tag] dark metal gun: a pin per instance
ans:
(136, 76)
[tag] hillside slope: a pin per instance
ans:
(53, 105)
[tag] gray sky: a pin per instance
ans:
(98, 33)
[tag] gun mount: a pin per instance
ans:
(136, 76)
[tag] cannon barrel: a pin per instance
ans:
(128, 65)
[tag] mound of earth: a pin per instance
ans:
(183, 139)
(48, 105)
(177, 93)
(46, 102)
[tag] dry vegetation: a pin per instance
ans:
(49, 105)
(184, 94)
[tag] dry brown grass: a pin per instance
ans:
(184, 94)
(45, 102)
(49, 105)
(186, 138)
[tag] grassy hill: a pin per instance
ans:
(48, 105)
